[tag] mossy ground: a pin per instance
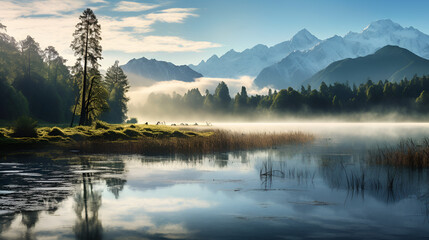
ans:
(107, 132)
(143, 139)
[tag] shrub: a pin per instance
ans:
(24, 127)
(132, 120)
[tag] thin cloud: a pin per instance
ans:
(13, 9)
(52, 22)
(172, 15)
(160, 44)
(126, 6)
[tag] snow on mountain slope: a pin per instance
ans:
(251, 61)
(294, 69)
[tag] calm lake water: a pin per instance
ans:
(285, 193)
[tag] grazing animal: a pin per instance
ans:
(173, 124)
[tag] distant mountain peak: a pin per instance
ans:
(231, 52)
(303, 34)
(383, 25)
(252, 60)
(143, 72)
(295, 68)
(260, 46)
(213, 58)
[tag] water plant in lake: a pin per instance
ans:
(408, 153)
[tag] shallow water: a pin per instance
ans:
(226, 196)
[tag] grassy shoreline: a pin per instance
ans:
(144, 139)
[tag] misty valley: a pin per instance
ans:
(116, 133)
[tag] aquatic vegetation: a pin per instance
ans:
(408, 153)
(268, 171)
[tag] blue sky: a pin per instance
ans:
(187, 31)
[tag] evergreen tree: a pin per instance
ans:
(117, 86)
(208, 101)
(87, 48)
(221, 97)
(193, 99)
(240, 100)
(423, 100)
(31, 56)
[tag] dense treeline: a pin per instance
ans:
(406, 96)
(36, 82)
(33, 81)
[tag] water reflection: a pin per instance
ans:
(277, 193)
(387, 184)
(87, 203)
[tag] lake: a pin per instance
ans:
(322, 190)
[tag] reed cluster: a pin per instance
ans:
(408, 153)
(218, 141)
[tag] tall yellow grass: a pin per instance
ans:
(408, 153)
(219, 141)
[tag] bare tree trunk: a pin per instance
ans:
(89, 97)
(74, 112)
(83, 119)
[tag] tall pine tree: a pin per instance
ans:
(87, 48)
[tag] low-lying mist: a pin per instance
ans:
(203, 101)
(138, 96)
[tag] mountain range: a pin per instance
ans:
(298, 66)
(143, 72)
(294, 62)
(388, 63)
(251, 61)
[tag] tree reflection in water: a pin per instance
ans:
(88, 198)
(87, 203)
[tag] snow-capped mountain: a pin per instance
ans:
(301, 65)
(143, 72)
(251, 61)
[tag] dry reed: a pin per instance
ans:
(219, 141)
(407, 153)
